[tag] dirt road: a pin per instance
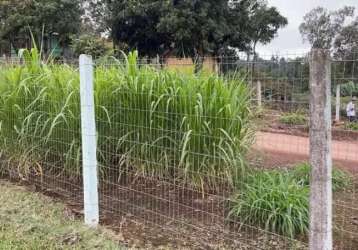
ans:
(283, 149)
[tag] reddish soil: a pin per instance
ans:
(338, 133)
(271, 123)
(281, 148)
(149, 213)
(155, 214)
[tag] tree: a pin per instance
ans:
(264, 23)
(333, 30)
(260, 25)
(191, 28)
(346, 42)
(62, 17)
(320, 26)
(134, 24)
(346, 52)
(197, 28)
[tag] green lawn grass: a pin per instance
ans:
(33, 221)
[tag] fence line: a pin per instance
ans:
(186, 160)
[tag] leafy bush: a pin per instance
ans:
(352, 126)
(349, 89)
(273, 201)
(340, 178)
(296, 118)
(91, 45)
(155, 122)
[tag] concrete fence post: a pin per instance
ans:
(259, 93)
(320, 235)
(338, 102)
(90, 178)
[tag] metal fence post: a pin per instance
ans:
(338, 102)
(320, 235)
(90, 179)
(259, 93)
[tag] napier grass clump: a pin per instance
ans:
(153, 122)
(278, 200)
(273, 201)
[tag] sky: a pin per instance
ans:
(289, 40)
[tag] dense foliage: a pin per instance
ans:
(89, 45)
(61, 17)
(154, 122)
(349, 89)
(190, 28)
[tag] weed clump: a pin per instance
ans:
(295, 118)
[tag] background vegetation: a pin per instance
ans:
(294, 118)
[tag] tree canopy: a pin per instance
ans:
(264, 23)
(321, 27)
(191, 28)
(134, 23)
(62, 17)
(196, 27)
(337, 31)
(188, 27)
(346, 42)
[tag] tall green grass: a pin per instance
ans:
(154, 122)
(39, 116)
(278, 200)
(273, 201)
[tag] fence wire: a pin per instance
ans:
(208, 160)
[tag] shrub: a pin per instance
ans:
(195, 128)
(296, 118)
(349, 89)
(91, 45)
(352, 126)
(340, 178)
(273, 201)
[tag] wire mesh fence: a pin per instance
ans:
(211, 160)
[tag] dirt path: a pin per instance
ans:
(283, 149)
